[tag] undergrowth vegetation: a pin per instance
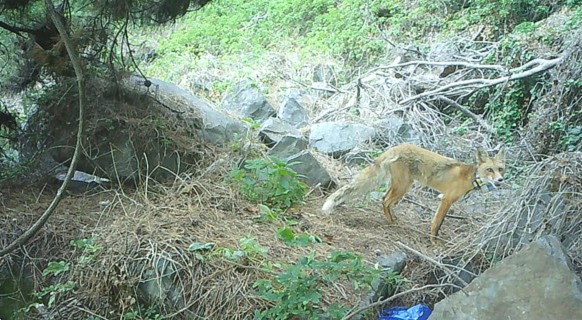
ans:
(298, 290)
(361, 33)
(355, 30)
(269, 181)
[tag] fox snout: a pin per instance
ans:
(495, 179)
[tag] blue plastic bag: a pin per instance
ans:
(418, 312)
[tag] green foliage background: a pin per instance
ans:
(361, 33)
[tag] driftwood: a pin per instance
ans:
(478, 119)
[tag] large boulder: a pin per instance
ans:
(132, 127)
(247, 100)
(534, 283)
(311, 171)
(338, 138)
(216, 127)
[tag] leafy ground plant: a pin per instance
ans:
(298, 290)
(269, 181)
(48, 295)
(289, 236)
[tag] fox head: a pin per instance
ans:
(491, 170)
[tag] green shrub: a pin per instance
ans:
(575, 21)
(269, 181)
(297, 291)
(347, 28)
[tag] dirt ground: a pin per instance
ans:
(359, 226)
(136, 223)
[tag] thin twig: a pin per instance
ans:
(446, 64)
(93, 314)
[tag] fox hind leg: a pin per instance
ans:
(397, 190)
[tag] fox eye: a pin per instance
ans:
(489, 170)
(501, 169)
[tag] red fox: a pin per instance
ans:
(406, 163)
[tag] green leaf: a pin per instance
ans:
(198, 246)
(306, 239)
(55, 268)
(234, 255)
(286, 234)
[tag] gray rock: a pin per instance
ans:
(216, 128)
(288, 146)
(336, 138)
(534, 283)
(219, 128)
(313, 173)
(121, 161)
(273, 130)
(248, 101)
(293, 113)
(382, 287)
(295, 93)
(158, 286)
(466, 271)
(358, 157)
(119, 151)
(394, 262)
(554, 248)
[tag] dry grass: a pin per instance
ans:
(145, 233)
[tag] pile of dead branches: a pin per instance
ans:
(420, 88)
(548, 203)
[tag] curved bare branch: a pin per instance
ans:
(533, 67)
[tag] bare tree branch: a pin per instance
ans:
(76, 62)
(446, 64)
(436, 263)
(536, 65)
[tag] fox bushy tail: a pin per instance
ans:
(369, 179)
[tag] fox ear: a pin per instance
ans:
(482, 156)
(500, 154)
